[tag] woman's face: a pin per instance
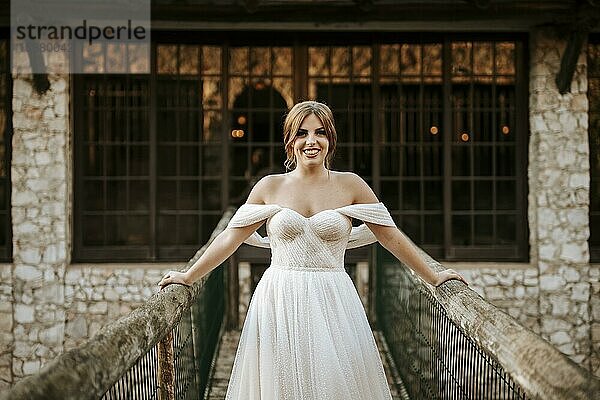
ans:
(311, 144)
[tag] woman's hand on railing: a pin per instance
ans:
(175, 277)
(447, 275)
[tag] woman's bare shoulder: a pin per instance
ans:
(264, 187)
(273, 180)
(347, 177)
(359, 189)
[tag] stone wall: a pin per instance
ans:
(515, 289)
(559, 197)
(94, 295)
(512, 288)
(6, 326)
(41, 181)
(98, 294)
(594, 307)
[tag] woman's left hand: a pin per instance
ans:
(174, 277)
(447, 275)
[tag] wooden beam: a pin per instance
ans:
(165, 374)
(569, 60)
(586, 19)
(41, 84)
(333, 12)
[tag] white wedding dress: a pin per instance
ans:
(306, 334)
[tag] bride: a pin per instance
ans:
(306, 334)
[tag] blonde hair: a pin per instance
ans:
(292, 123)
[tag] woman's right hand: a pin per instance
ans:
(174, 277)
(447, 275)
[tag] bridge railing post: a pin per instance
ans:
(166, 369)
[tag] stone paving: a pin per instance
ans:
(222, 370)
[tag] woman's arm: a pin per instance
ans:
(393, 240)
(402, 248)
(222, 247)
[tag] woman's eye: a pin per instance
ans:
(320, 132)
(301, 133)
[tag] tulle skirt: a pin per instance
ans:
(306, 337)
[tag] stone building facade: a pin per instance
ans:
(48, 304)
(557, 293)
(559, 192)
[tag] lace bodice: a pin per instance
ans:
(317, 241)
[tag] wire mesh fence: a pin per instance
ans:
(435, 357)
(191, 344)
(140, 382)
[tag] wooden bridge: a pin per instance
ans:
(446, 343)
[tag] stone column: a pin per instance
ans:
(6, 326)
(559, 183)
(40, 217)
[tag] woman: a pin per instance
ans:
(306, 335)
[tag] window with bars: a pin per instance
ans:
(486, 200)
(341, 77)
(149, 156)
(451, 171)
(594, 141)
(5, 150)
(434, 127)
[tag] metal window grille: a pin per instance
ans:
(149, 157)
(438, 127)
(5, 151)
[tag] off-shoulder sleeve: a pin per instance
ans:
(375, 213)
(249, 214)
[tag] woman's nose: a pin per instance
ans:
(311, 138)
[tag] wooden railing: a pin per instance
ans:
(449, 343)
(160, 350)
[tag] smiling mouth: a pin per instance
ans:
(311, 152)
